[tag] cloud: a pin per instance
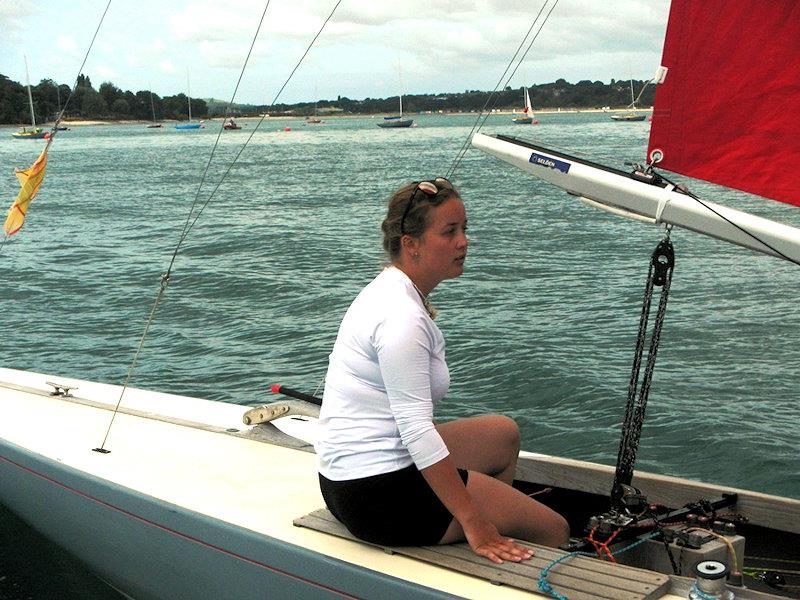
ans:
(214, 22)
(66, 44)
(166, 66)
(12, 19)
(104, 72)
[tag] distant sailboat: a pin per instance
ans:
(527, 117)
(315, 120)
(34, 133)
(631, 115)
(153, 110)
(189, 125)
(397, 121)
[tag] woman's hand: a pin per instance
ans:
(486, 541)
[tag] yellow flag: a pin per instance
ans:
(30, 180)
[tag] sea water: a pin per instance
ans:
(542, 325)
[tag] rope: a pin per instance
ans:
(726, 219)
(601, 547)
(547, 588)
(698, 593)
(676, 567)
(731, 549)
(189, 222)
(659, 274)
(478, 123)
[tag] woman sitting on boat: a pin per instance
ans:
(387, 471)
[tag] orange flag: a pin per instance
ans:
(30, 180)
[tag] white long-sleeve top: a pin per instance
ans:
(385, 374)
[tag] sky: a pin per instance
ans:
(370, 48)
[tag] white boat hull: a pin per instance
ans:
(190, 502)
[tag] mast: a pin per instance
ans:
(153, 108)
(633, 102)
(30, 98)
(400, 79)
(189, 93)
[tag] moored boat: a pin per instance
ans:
(526, 118)
(154, 124)
(396, 121)
(631, 115)
(34, 133)
(393, 121)
(31, 134)
(190, 124)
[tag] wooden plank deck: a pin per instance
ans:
(578, 577)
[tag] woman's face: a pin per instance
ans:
(443, 245)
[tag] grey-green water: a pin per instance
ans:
(541, 326)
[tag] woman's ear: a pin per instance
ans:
(409, 243)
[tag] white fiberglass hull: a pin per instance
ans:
(190, 503)
(180, 507)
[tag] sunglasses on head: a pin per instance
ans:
(430, 188)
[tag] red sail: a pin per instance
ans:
(729, 109)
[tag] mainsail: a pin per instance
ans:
(728, 110)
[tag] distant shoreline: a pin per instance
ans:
(249, 119)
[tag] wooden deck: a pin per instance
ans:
(578, 577)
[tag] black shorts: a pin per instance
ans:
(390, 509)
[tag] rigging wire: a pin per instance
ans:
(494, 97)
(189, 222)
(777, 252)
(263, 117)
(184, 232)
(80, 70)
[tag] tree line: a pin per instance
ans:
(559, 94)
(111, 103)
(107, 102)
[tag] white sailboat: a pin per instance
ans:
(34, 133)
(154, 124)
(188, 498)
(527, 117)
